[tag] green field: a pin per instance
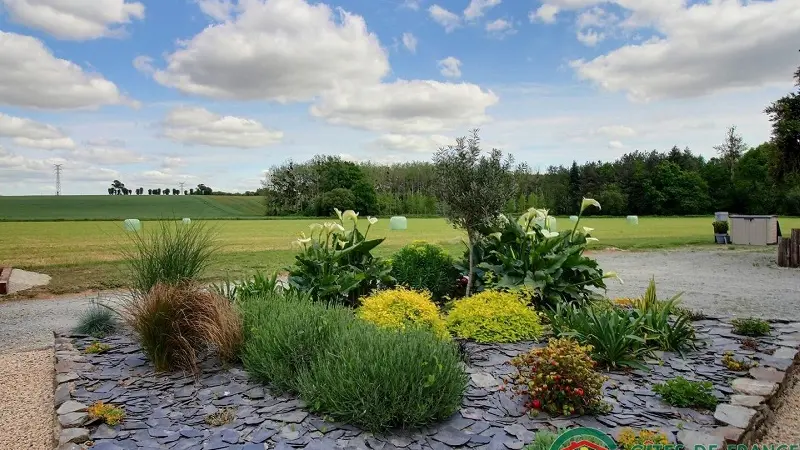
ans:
(85, 255)
(109, 207)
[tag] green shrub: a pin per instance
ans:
(97, 321)
(424, 266)
(492, 316)
(378, 378)
(256, 285)
(661, 327)
(402, 309)
(683, 393)
(173, 253)
(543, 440)
(615, 335)
(336, 264)
(720, 227)
(559, 378)
(524, 252)
(285, 332)
(751, 327)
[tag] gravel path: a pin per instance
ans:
(727, 282)
(26, 390)
(784, 429)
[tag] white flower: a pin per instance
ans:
(350, 215)
(315, 227)
(587, 202)
(338, 213)
(372, 220)
(496, 235)
(591, 239)
(613, 275)
(336, 228)
(503, 219)
(587, 230)
(549, 234)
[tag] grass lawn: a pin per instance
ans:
(84, 255)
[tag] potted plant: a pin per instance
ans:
(721, 232)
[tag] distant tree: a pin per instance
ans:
(191, 191)
(731, 149)
(185, 192)
(166, 191)
(340, 198)
(202, 189)
(575, 191)
(784, 114)
(111, 191)
(149, 192)
(472, 188)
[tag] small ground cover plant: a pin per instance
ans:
(543, 440)
(96, 348)
(493, 316)
(684, 393)
(106, 412)
(221, 417)
(731, 362)
(751, 327)
(97, 321)
(402, 309)
(424, 266)
(749, 344)
(629, 439)
(559, 378)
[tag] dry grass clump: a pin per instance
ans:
(175, 322)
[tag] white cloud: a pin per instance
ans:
(283, 50)
(410, 42)
(589, 37)
(616, 144)
(412, 142)
(615, 131)
(407, 107)
(545, 13)
(171, 162)
(595, 17)
(500, 28)
(32, 134)
(144, 64)
(199, 126)
(33, 77)
(449, 20)
(106, 151)
(15, 167)
(478, 8)
(220, 10)
(411, 4)
(450, 67)
(673, 65)
(75, 19)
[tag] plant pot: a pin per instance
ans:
(721, 238)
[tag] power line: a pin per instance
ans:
(181, 184)
(58, 178)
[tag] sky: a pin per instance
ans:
(160, 92)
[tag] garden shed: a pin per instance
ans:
(754, 229)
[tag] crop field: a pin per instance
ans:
(107, 207)
(85, 255)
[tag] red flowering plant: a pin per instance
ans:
(559, 378)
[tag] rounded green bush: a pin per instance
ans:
(493, 316)
(423, 266)
(380, 378)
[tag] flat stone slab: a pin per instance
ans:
(73, 435)
(749, 386)
(767, 374)
(169, 410)
(733, 415)
(705, 438)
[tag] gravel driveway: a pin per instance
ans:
(723, 282)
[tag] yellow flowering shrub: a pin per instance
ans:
(493, 316)
(401, 308)
(108, 413)
(97, 348)
(628, 439)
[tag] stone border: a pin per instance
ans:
(752, 398)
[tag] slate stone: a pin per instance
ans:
(190, 433)
(62, 394)
(451, 436)
(520, 432)
(106, 445)
(737, 416)
(74, 435)
(71, 406)
(769, 374)
(514, 445)
(730, 434)
(290, 417)
(72, 420)
(66, 377)
(690, 439)
(749, 386)
(484, 380)
(230, 436)
(785, 353)
(252, 446)
(750, 401)
(104, 432)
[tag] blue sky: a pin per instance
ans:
(216, 91)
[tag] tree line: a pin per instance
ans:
(741, 179)
(118, 188)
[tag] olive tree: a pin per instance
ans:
(472, 187)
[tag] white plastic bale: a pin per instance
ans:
(633, 220)
(398, 223)
(573, 219)
(186, 221)
(132, 225)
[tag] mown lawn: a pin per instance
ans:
(85, 255)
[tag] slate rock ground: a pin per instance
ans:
(169, 410)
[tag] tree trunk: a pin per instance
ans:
(471, 263)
